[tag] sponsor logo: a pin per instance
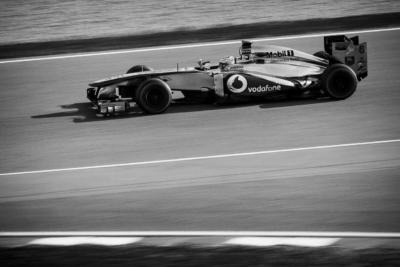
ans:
(237, 83)
(285, 53)
(266, 88)
(246, 51)
(236, 67)
(350, 60)
(361, 49)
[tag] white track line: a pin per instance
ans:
(319, 234)
(200, 158)
(73, 241)
(236, 241)
(282, 241)
(172, 47)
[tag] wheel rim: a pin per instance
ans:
(155, 97)
(342, 84)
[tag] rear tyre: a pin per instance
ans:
(138, 68)
(339, 81)
(154, 96)
(325, 55)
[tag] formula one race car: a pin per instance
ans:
(259, 71)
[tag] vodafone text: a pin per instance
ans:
(265, 88)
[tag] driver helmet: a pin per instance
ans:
(226, 61)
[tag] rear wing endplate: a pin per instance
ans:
(349, 51)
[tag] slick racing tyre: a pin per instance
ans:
(138, 68)
(133, 84)
(339, 81)
(154, 96)
(325, 55)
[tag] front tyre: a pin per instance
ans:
(154, 96)
(339, 81)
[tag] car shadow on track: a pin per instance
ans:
(80, 112)
(83, 112)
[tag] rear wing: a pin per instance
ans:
(349, 51)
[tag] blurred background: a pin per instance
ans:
(46, 20)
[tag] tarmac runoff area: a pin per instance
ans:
(164, 161)
(340, 189)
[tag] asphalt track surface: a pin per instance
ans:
(46, 123)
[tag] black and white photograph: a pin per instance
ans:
(200, 133)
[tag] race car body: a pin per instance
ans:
(259, 71)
